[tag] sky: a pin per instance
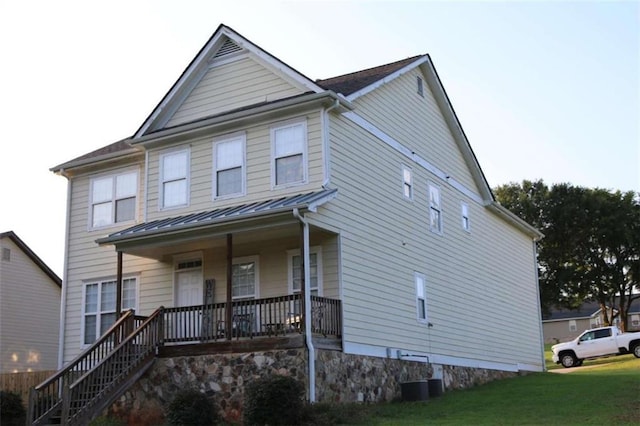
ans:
(543, 90)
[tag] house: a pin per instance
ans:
(29, 309)
(337, 230)
(563, 324)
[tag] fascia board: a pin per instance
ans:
(131, 152)
(387, 79)
(510, 217)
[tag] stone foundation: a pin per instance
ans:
(340, 378)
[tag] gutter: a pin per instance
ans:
(307, 307)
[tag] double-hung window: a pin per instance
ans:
(289, 152)
(174, 178)
(229, 167)
(99, 312)
(407, 183)
(244, 278)
(421, 297)
(315, 271)
(435, 209)
(464, 212)
(113, 199)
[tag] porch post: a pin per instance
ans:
(229, 305)
(119, 286)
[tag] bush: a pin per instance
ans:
(274, 400)
(191, 407)
(12, 411)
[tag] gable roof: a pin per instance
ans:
(348, 84)
(34, 257)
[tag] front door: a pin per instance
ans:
(189, 291)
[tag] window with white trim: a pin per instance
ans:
(407, 183)
(229, 167)
(174, 178)
(420, 86)
(289, 153)
(464, 213)
(295, 271)
(244, 278)
(113, 199)
(99, 310)
(635, 320)
(435, 209)
(421, 296)
(573, 326)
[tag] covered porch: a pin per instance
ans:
(237, 278)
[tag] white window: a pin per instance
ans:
(229, 167)
(407, 182)
(573, 326)
(435, 209)
(174, 172)
(244, 281)
(421, 297)
(289, 152)
(635, 320)
(113, 199)
(464, 213)
(420, 86)
(99, 311)
(296, 272)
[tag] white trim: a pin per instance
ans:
(113, 174)
(387, 79)
(358, 120)
(173, 151)
(440, 228)
(424, 357)
(317, 250)
(248, 259)
(182, 257)
(420, 276)
(238, 136)
(410, 183)
(99, 313)
(305, 166)
(465, 220)
(227, 59)
(65, 280)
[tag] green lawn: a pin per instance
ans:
(606, 395)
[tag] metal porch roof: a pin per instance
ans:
(309, 201)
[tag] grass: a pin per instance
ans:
(609, 394)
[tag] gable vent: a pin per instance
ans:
(228, 48)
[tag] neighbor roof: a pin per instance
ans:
(34, 257)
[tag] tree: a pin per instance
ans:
(591, 248)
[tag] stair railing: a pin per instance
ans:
(45, 400)
(97, 389)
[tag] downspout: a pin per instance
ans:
(307, 308)
(65, 276)
(535, 269)
(325, 142)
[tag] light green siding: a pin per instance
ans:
(231, 86)
(416, 122)
(29, 314)
(481, 289)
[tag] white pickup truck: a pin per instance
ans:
(595, 343)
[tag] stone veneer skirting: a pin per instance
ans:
(340, 377)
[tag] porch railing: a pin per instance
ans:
(45, 400)
(251, 318)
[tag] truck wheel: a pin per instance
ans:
(636, 350)
(568, 360)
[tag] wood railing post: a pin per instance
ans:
(66, 401)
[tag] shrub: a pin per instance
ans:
(274, 400)
(107, 421)
(12, 411)
(191, 407)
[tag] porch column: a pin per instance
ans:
(119, 286)
(229, 306)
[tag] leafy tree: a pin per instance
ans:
(591, 249)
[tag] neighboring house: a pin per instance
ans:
(251, 188)
(29, 309)
(563, 324)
